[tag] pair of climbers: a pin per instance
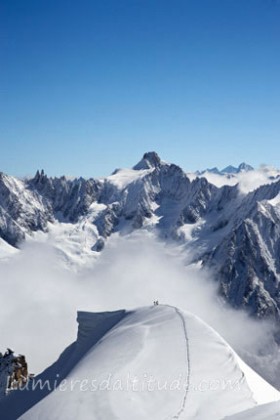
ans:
(156, 302)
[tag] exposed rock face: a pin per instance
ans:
(21, 210)
(149, 160)
(13, 372)
(246, 258)
(65, 199)
(237, 235)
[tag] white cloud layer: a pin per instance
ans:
(248, 181)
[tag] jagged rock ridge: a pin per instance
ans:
(235, 234)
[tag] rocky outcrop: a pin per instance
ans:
(13, 372)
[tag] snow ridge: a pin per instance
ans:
(143, 340)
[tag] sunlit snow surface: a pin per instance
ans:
(154, 363)
(6, 250)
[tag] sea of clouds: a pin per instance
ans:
(40, 297)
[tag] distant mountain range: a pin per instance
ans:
(236, 235)
(229, 170)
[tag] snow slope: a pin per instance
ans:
(6, 250)
(152, 363)
(264, 412)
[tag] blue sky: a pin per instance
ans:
(91, 85)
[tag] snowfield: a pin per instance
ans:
(151, 363)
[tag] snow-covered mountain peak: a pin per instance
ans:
(148, 161)
(228, 172)
(243, 167)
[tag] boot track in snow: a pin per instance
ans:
(187, 385)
